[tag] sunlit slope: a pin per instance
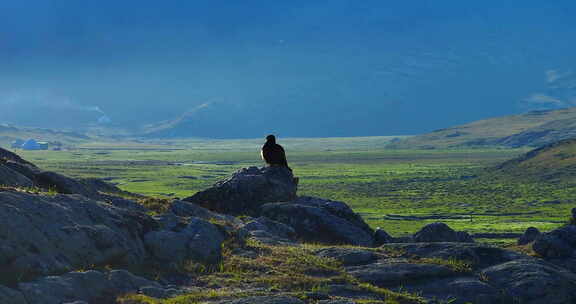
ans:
(554, 162)
(531, 129)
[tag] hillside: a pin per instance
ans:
(10, 133)
(555, 162)
(531, 129)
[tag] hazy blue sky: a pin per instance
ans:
(299, 68)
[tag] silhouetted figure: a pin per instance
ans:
(273, 154)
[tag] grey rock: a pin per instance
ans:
(440, 232)
(24, 168)
(64, 184)
(558, 243)
(125, 204)
(199, 241)
(273, 227)
(125, 282)
(270, 239)
(11, 156)
(479, 255)
(348, 256)
(247, 190)
(336, 302)
(265, 300)
(530, 235)
(382, 237)
(460, 290)
(386, 274)
(324, 221)
(9, 177)
(11, 296)
(43, 235)
(77, 287)
(270, 232)
(533, 281)
(187, 209)
(90, 286)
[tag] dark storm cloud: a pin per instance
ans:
(361, 67)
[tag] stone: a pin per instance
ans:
(199, 241)
(319, 220)
(382, 237)
(44, 235)
(348, 256)
(11, 296)
(529, 236)
(478, 255)
(9, 177)
(440, 232)
(386, 274)
(247, 190)
(273, 227)
(187, 209)
(125, 282)
(91, 286)
(79, 287)
(558, 243)
(533, 281)
(63, 184)
(460, 290)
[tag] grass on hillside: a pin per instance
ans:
(273, 270)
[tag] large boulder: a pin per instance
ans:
(198, 241)
(247, 190)
(440, 232)
(320, 220)
(43, 235)
(11, 296)
(533, 281)
(187, 209)
(11, 178)
(63, 184)
(270, 232)
(7, 155)
(530, 235)
(558, 243)
(90, 287)
(399, 273)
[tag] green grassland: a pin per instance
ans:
(398, 190)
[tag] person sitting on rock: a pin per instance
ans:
(273, 154)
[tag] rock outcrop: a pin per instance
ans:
(43, 235)
(196, 240)
(530, 235)
(247, 190)
(440, 232)
(320, 220)
(558, 243)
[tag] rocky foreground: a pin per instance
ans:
(249, 239)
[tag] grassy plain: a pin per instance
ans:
(398, 190)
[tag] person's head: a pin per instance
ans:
(271, 138)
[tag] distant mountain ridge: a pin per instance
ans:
(9, 133)
(532, 129)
